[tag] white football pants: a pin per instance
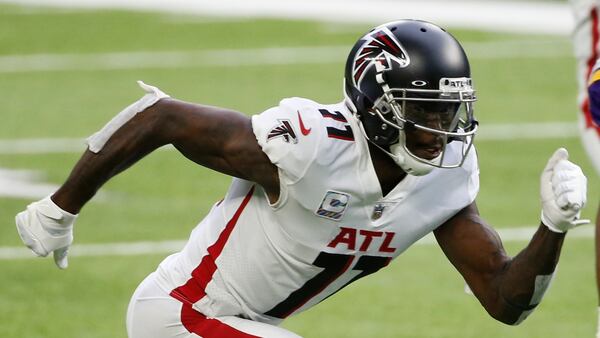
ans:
(152, 313)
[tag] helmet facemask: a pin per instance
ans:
(445, 114)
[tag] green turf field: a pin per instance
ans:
(162, 198)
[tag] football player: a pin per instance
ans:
(586, 37)
(322, 194)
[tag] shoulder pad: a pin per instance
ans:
(289, 135)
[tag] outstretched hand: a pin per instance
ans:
(563, 192)
(44, 228)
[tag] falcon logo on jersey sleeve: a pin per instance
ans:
(379, 46)
(333, 205)
(284, 130)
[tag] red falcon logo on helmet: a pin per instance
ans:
(380, 46)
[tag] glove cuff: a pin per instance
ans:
(62, 211)
(550, 225)
(61, 219)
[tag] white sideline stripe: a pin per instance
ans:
(491, 132)
(509, 16)
(167, 247)
(252, 57)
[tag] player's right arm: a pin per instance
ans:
(213, 137)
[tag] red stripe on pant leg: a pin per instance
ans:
(197, 323)
(585, 106)
(193, 290)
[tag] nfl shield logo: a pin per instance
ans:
(377, 211)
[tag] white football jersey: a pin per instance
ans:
(330, 226)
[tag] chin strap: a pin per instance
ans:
(400, 156)
(410, 163)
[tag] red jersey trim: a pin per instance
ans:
(194, 289)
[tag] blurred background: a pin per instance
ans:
(68, 66)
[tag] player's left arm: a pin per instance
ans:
(511, 288)
(508, 288)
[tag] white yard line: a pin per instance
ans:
(42, 146)
(545, 48)
(47, 146)
(522, 234)
(508, 16)
(107, 249)
(171, 59)
(27, 184)
(167, 247)
(487, 132)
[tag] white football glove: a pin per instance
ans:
(44, 228)
(563, 192)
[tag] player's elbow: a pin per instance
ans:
(508, 317)
(499, 308)
(164, 119)
(508, 313)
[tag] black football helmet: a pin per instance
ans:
(397, 76)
